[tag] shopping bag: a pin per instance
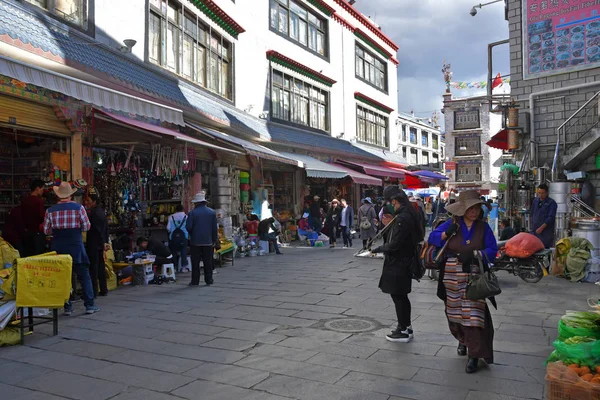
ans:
(44, 281)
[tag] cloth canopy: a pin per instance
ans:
(499, 140)
(357, 177)
(317, 168)
(430, 174)
(376, 170)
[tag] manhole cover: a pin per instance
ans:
(350, 325)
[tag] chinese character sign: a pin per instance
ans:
(560, 36)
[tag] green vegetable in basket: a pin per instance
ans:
(579, 340)
(582, 319)
(578, 350)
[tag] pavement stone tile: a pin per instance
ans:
(501, 386)
(310, 390)
(203, 354)
(74, 386)
(229, 374)
(218, 391)
(141, 377)
(285, 353)
(266, 338)
(158, 362)
(15, 373)
(313, 307)
(199, 329)
(254, 326)
(396, 387)
(143, 394)
(521, 360)
(284, 299)
(229, 344)
(187, 318)
(267, 310)
(184, 338)
(296, 369)
(276, 319)
(256, 303)
(317, 316)
(378, 341)
(84, 349)
(32, 395)
(64, 362)
(72, 333)
(366, 366)
(13, 392)
(476, 395)
(314, 333)
(123, 329)
(209, 312)
(16, 352)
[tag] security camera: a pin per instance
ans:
(473, 12)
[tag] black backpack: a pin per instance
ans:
(178, 240)
(417, 267)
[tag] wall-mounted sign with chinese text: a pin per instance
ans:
(560, 36)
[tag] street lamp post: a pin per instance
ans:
(481, 5)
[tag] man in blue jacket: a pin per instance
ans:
(204, 238)
(543, 216)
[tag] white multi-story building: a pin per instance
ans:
(470, 162)
(420, 141)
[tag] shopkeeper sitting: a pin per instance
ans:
(157, 248)
(264, 227)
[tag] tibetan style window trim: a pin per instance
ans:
(301, 25)
(467, 145)
(218, 16)
(371, 127)
(179, 41)
(370, 68)
(295, 66)
(78, 14)
(468, 171)
(467, 119)
(373, 103)
(298, 102)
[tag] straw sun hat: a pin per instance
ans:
(465, 201)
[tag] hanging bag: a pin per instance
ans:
(365, 224)
(178, 240)
(483, 285)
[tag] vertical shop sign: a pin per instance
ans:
(560, 36)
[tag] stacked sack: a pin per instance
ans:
(573, 370)
(244, 187)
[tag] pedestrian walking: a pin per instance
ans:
(470, 321)
(333, 220)
(367, 219)
(429, 210)
(32, 214)
(178, 238)
(399, 250)
(96, 241)
(346, 223)
(203, 228)
(66, 221)
(315, 214)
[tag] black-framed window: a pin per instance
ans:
(466, 119)
(435, 160)
(413, 157)
(404, 130)
(296, 101)
(371, 69)
(413, 135)
(468, 145)
(75, 12)
(425, 139)
(425, 156)
(435, 141)
(180, 42)
(468, 172)
(300, 24)
(404, 152)
(372, 127)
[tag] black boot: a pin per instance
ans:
(461, 350)
(471, 365)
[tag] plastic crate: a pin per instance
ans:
(564, 384)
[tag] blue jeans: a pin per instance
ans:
(180, 254)
(271, 237)
(83, 276)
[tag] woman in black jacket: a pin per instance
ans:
(400, 250)
(333, 220)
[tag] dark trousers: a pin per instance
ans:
(204, 253)
(403, 309)
(97, 271)
(346, 235)
(271, 238)
(332, 229)
(33, 244)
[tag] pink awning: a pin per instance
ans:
(377, 170)
(357, 177)
(114, 118)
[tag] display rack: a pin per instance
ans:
(16, 174)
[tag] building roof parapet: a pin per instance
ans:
(219, 17)
(287, 62)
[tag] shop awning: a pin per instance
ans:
(89, 92)
(357, 177)
(317, 168)
(139, 125)
(499, 140)
(430, 174)
(377, 170)
(252, 149)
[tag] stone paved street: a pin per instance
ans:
(261, 332)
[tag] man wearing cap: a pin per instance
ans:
(315, 214)
(400, 248)
(97, 241)
(65, 221)
(202, 227)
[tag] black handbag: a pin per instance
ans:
(483, 285)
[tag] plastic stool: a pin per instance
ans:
(168, 271)
(189, 263)
(264, 246)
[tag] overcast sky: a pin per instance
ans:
(429, 31)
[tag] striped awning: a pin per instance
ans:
(89, 92)
(317, 168)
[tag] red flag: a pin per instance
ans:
(497, 81)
